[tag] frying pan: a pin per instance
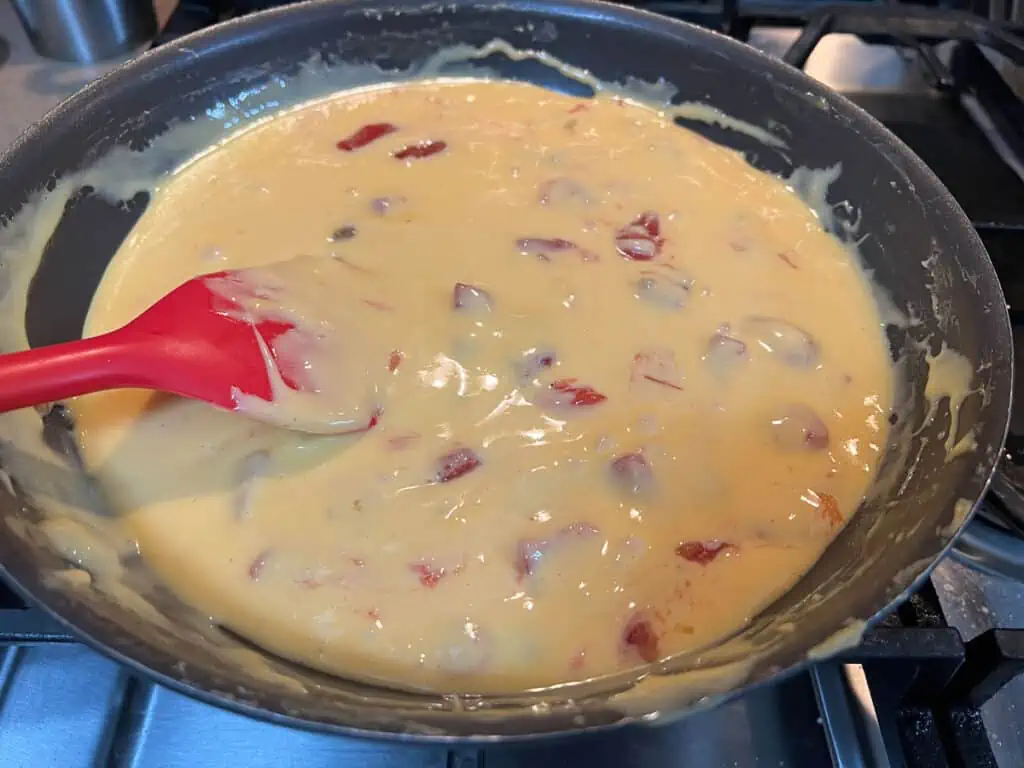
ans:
(913, 238)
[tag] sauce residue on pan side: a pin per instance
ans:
(628, 388)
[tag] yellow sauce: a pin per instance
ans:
(657, 396)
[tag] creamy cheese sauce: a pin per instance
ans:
(625, 388)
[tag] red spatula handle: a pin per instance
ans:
(66, 370)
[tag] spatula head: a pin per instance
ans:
(213, 351)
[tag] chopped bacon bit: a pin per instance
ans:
(401, 442)
(373, 614)
(650, 223)
(793, 345)
(562, 190)
(829, 509)
(702, 552)
(380, 305)
(639, 635)
(657, 366)
(420, 149)
(257, 565)
(787, 258)
(429, 576)
(394, 360)
(632, 472)
(381, 205)
(581, 395)
(528, 554)
(471, 299)
(724, 350)
(544, 244)
(533, 362)
(545, 361)
(641, 239)
(543, 247)
(579, 108)
(366, 135)
(343, 233)
(530, 551)
(662, 291)
(454, 465)
(798, 428)
(578, 661)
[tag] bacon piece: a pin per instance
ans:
(632, 473)
(544, 247)
(723, 350)
(533, 362)
(394, 360)
(528, 555)
(544, 244)
(530, 551)
(641, 239)
(562, 190)
(791, 344)
(366, 135)
(381, 205)
(429, 575)
(346, 232)
(575, 394)
(469, 298)
(829, 509)
(639, 636)
(798, 428)
(702, 552)
(258, 564)
(657, 366)
(454, 465)
(662, 291)
(420, 149)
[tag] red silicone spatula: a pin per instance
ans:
(189, 343)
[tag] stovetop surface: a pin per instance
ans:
(934, 686)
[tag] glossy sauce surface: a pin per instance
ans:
(624, 388)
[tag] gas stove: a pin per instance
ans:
(936, 684)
